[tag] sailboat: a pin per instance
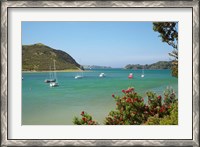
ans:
(51, 78)
(54, 83)
(79, 76)
(142, 75)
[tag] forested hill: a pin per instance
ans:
(38, 57)
(157, 65)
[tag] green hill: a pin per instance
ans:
(157, 65)
(38, 57)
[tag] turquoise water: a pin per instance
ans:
(43, 105)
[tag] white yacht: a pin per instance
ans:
(54, 83)
(102, 75)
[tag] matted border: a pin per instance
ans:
(88, 4)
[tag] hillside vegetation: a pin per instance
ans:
(38, 57)
(96, 67)
(157, 65)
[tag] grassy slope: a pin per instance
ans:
(40, 57)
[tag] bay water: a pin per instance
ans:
(45, 105)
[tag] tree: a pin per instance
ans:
(169, 34)
(131, 109)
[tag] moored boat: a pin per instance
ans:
(51, 77)
(130, 76)
(102, 75)
(78, 77)
(142, 75)
(54, 83)
(49, 80)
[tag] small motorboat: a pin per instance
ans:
(78, 77)
(102, 75)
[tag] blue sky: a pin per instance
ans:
(114, 44)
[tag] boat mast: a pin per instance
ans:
(50, 74)
(55, 70)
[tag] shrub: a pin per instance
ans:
(85, 120)
(171, 119)
(131, 110)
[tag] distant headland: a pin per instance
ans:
(157, 65)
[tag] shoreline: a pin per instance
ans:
(67, 70)
(79, 70)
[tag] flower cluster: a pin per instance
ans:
(132, 110)
(85, 120)
(169, 96)
(129, 109)
(155, 105)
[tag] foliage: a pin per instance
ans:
(171, 119)
(170, 109)
(174, 68)
(40, 57)
(132, 110)
(96, 67)
(169, 34)
(157, 65)
(85, 120)
(170, 96)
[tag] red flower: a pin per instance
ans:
(131, 89)
(84, 119)
(135, 99)
(123, 91)
(159, 97)
(113, 95)
(90, 122)
(128, 90)
(82, 113)
(129, 100)
(162, 109)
